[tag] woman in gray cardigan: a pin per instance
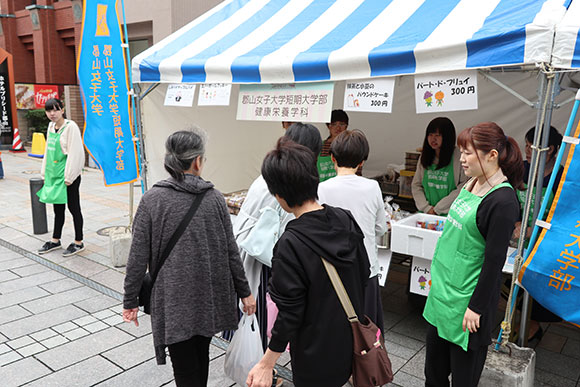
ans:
(195, 294)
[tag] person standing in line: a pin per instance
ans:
(439, 176)
(258, 198)
(469, 256)
(338, 124)
(195, 293)
(62, 164)
(310, 315)
(363, 198)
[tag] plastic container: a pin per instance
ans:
(405, 181)
(409, 239)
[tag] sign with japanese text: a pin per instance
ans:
(384, 256)
(551, 272)
(445, 92)
(5, 106)
(103, 78)
(179, 95)
(43, 93)
(30, 96)
(214, 94)
(308, 102)
(373, 95)
(420, 276)
(325, 167)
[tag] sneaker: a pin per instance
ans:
(49, 246)
(72, 249)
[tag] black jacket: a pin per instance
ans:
(310, 316)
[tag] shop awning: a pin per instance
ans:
(280, 41)
(566, 53)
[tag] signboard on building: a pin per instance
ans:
(7, 111)
(30, 96)
(102, 72)
(308, 102)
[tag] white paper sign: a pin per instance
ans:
(384, 263)
(179, 95)
(445, 92)
(373, 95)
(214, 94)
(308, 102)
(420, 276)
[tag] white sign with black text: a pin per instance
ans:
(179, 95)
(446, 92)
(373, 95)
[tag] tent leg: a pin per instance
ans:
(543, 121)
(141, 146)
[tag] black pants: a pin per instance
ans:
(190, 360)
(74, 206)
(444, 358)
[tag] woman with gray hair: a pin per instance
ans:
(195, 292)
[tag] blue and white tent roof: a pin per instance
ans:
(281, 41)
(566, 52)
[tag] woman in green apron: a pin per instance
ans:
(539, 313)
(439, 176)
(64, 158)
(468, 259)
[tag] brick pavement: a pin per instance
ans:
(60, 317)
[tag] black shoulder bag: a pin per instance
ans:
(149, 279)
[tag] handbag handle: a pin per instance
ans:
(340, 290)
(177, 234)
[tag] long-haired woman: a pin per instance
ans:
(439, 176)
(468, 259)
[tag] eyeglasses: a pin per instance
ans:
(338, 124)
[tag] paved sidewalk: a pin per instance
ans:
(60, 317)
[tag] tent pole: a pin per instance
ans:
(543, 130)
(508, 89)
(149, 90)
(139, 125)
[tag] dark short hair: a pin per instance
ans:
(339, 115)
(53, 104)
(350, 148)
(290, 172)
(305, 134)
(554, 139)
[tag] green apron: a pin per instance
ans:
(54, 189)
(455, 269)
(325, 168)
(438, 183)
(522, 199)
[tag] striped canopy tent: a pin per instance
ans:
(285, 41)
(566, 51)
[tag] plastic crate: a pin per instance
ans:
(409, 239)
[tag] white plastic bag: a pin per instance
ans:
(245, 350)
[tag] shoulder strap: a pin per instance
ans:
(340, 290)
(177, 234)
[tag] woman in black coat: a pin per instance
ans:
(310, 315)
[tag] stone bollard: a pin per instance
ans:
(515, 369)
(119, 246)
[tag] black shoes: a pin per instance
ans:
(72, 249)
(49, 246)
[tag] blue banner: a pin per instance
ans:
(103, 79)
(551, 273)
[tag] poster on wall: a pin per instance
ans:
(373, 95)
(446, 92)
(43, 93)
(179, 95)
(420, 276)
(30, 96)
(24, 96)
(308, 102)
(214, 94)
